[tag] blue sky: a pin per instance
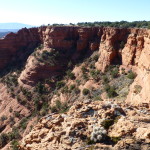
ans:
(38, 12)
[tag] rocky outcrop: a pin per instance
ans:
(130, 49)
(72, 41)
(126, 47)
(73, 129)
(13, 43)
(110, 47)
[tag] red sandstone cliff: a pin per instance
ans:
(128, 48)
(134, 53)
(15, 42)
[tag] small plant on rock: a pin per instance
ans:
(131, 75)
(85, 91)
(98, 134)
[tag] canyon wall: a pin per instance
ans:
(14, 43)
(126, 47)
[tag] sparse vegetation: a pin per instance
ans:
(71, 75)
(111, 92)
(85, 91)
(137, 89)
(60, 107)
(115, 73)
(107, 123)
(60, 84)
(131, 75)
(121, 24)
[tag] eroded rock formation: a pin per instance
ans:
(57, 46)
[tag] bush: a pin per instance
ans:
(60, 107)
(95, 74)
(77, 90)
(60, 84)
(107, 123)
(23, 123)
(97, 98)
(85, 77)
(131, 75)
(72, 86)
(65, 89)
(110, 91)
(3, 118)
(71, 75)
(40, 88)
(85, 91)
(84, 69)
(95, 58)
(114, 73)
(4, 139)
(115, 139)
(12, 121)
(15, 145)
(105, 79)
(14, 134)
(137, 89)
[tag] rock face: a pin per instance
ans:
(134, 53)
(71, 40)
(86, 120)
(12, 44)
(8, 106)
(72, 129)
(126, 47)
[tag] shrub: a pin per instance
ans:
(17, 114)
(84, 69)
(137, 89)
(85, 77)
(71, 75)
(12, 121)
(105, 79)
(115, 139)
(110, 91)
(114, 73)
(60, 84)
(10, 109)
(4, 139)
(14, 134)
(77, 90)
(65, 89)
(40, 88)
(23, 123)
(3, 118)
(60, 107)
(95, 58)
(14, 145)
(107, 123)
(78, 82)
(85, 91)
(131, 75)
(97, 98)
(72, 86)
(95, 74)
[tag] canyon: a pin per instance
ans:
(47, 53)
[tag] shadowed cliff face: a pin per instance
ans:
(14, 43)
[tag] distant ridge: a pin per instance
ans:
(6, 28)
(14, 25)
